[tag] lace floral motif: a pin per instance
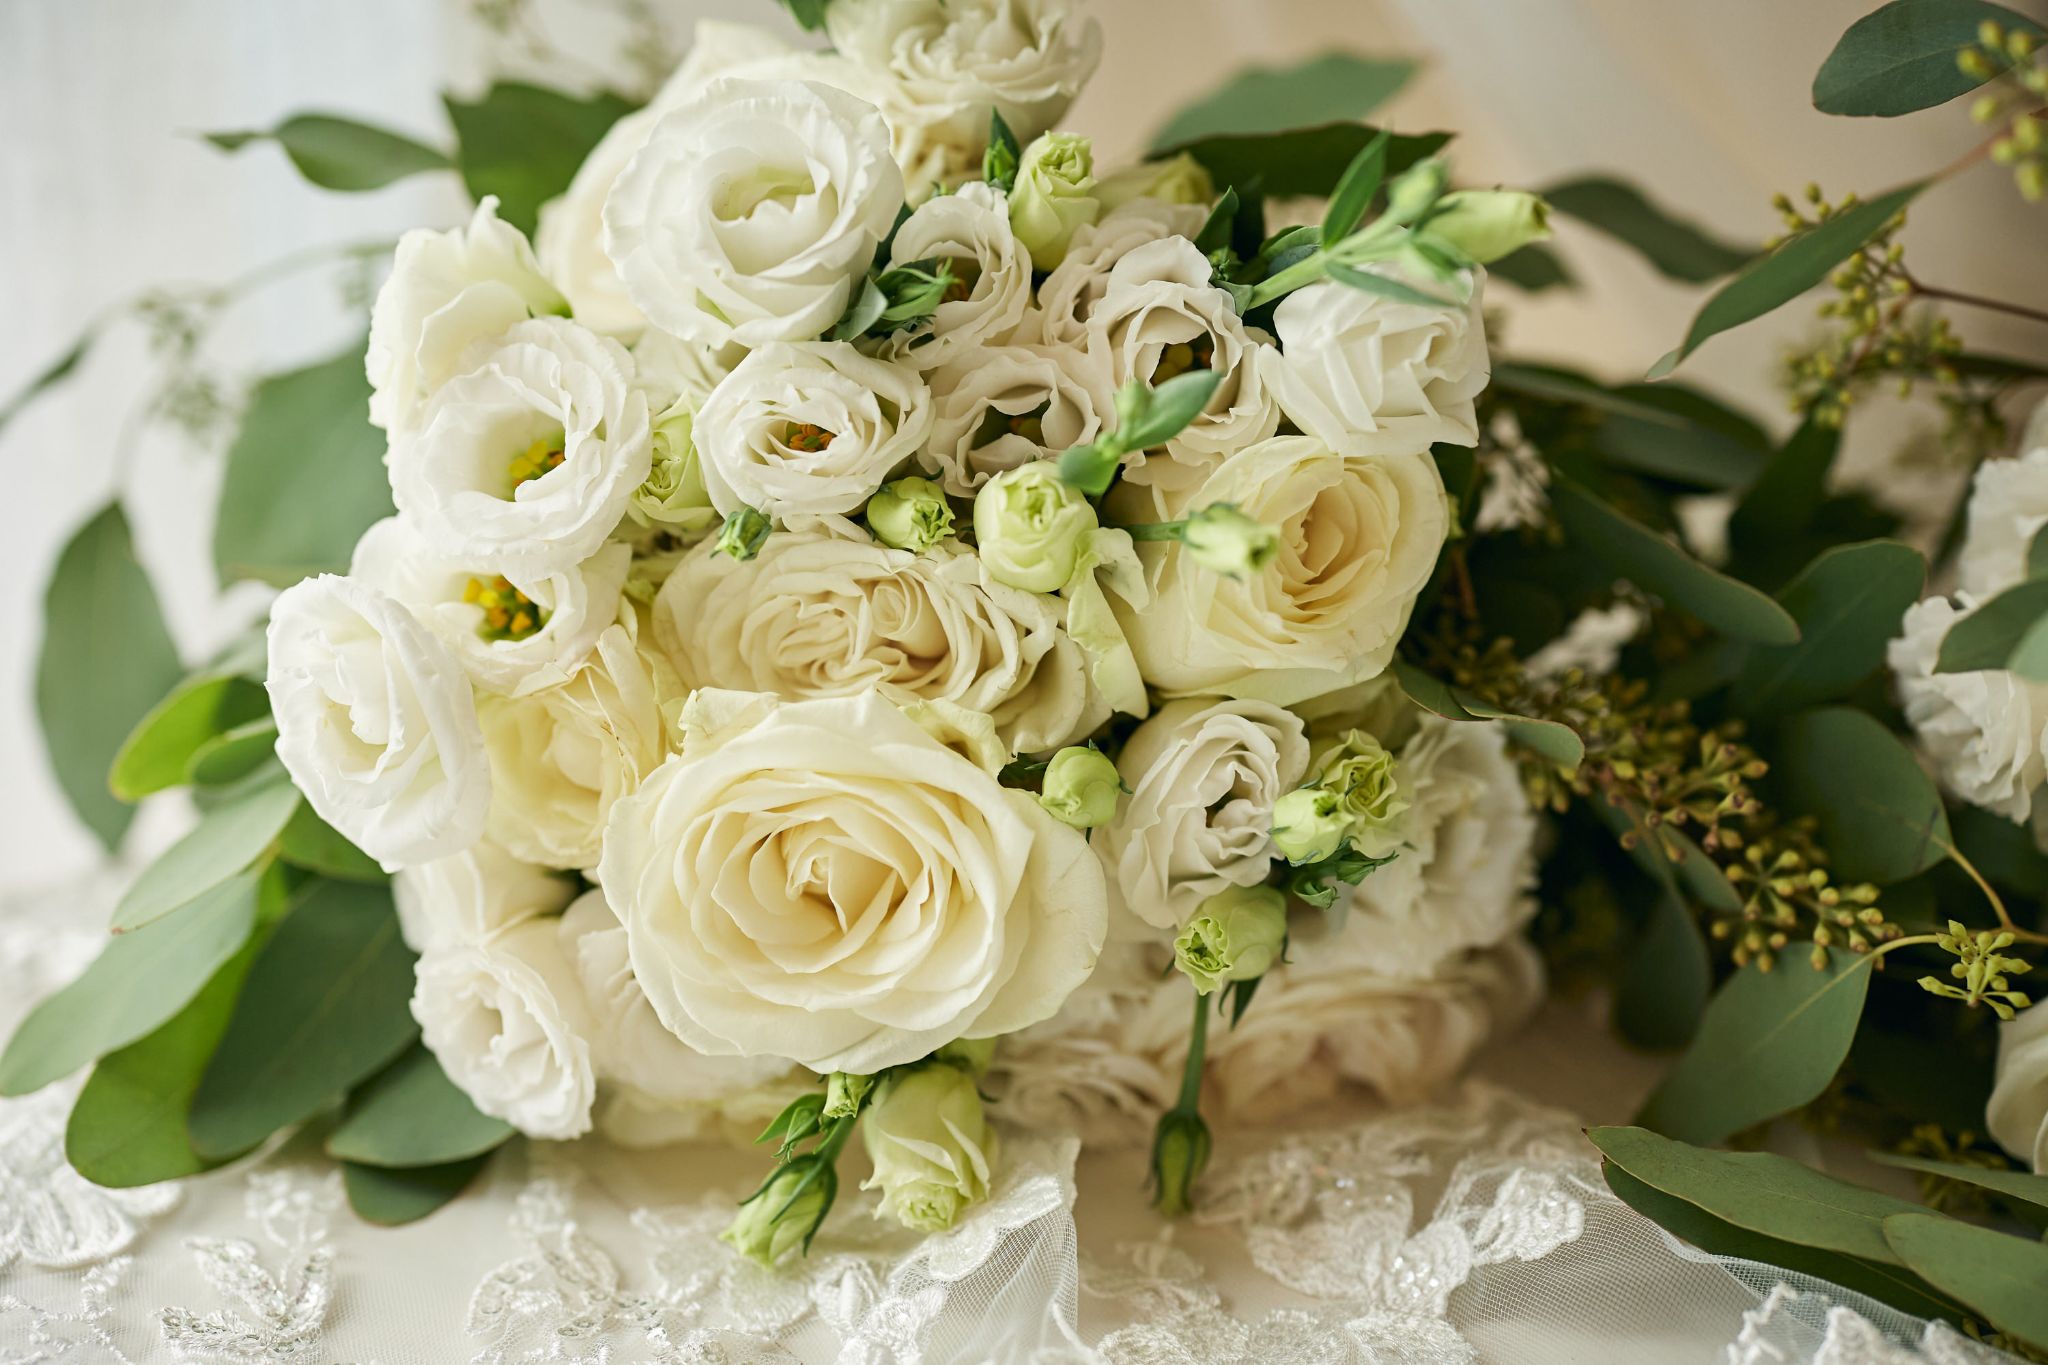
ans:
(270, 1317)
(51, 1216)
(1791, 1325)
(32, 1334)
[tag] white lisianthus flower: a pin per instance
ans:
(375, 722)
(513, 631)
(505, 1018)
(446, 292)
(2017, 1114)
(1203, 776)
(1358, 539)
(472, 896)
(1984, 731)
(970, 232)
(751, 213)
(1067, 297)
(829, 882)
(931, 1146)
(823, 615)
(2008, 508)
(530, 456)
(1369, 375)
(1005, 406)
(809, 428)
(562, 756)
(1159, 316)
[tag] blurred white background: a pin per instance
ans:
(106, 191)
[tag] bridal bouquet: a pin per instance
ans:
(858, 621)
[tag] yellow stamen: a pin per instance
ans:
(536, 460)
(508, 614)
(808, 437)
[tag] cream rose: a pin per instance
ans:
(514, 631)
(1984, 731)
(1203, 777)
(826, 881)
(809, 428)
(1067, 297)
(750, 213)
(1005, 406)
(822, 615)
(530, 456)
(1369, 375)
(472, 896)
(446, 292)
(562, 756)
(2017, 1114)
(1359, 538)
(969, 231)
(2008, 508)
(375, 722)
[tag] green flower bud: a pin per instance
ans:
(1224, 540)
(1051, 197)
(1414, 190)
(971, 1054)
(1488, 224)
(1309, 825)
(1180, 1149)
(1176, 180)
(1235, 936)
(1081, 787)
(743, 533)
(1365, 779)
(783, 1215)
(844, 1092)
(910, 514)
(1031, 528)
(931, 1146)
(674, 497)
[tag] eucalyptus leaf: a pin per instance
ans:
(339, 153)
(1667, 975)
(1335, 87)
(1902, 57)
(1552, 739)
(308, 841)
(411, 1114)
(232, 754)
(158, 752)
(2024, 1186)
(107, 658)
(1880, 817)
(1532, 269)
(1789, 489)
(2029, 656)
(1301, 161)
(1385, 286)
(227, 839)
(1676, 248)
(51, 375)
(1768, 1043)
(525, 143)
(1848, 603)
(1988, 637)
(2004, 1278)
(392, 1197)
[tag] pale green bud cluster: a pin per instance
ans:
(1353, 798)
(743, 534)
(910, 514)
(784, 1214)
(1485, 225)
(1237, 935)
(845, 1092)
(1224, 540)
(1081, 787)
(1032, 528)
(1052, 196)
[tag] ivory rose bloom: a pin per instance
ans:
(932, 1149)
(446, 292)
(1204, 775)
(818, 614)
(375, 722)
(1358, 539)
(2017, 1115)
(514, 631)
(1369, 375)
(562, 756)
(530, 456)
(968, 230)
(1067, 297)
(750, 213)
(1984, 731)
(472, 896)
(827, 881)
(1006, 406)
(808, 428)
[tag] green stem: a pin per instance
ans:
(1198, 1047)
(1155, 530)
(836, 1138)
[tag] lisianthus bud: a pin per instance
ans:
(1176, 180)
(1235, 936)
(1180, 1149)
(971, 1054)
(1309, 825)
(1081, 787)
(910, 514)
(1031, 528)
(1414, 190)
(1052, 197)
(742, 534)
(1364, 778)
(673, 497)
(844, 1091)
(784, 1214)
(1488, 224)
(931, 1146)
(1224, 540)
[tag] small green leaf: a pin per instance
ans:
(1768, 1043)
(1902, 56)
(1789, 271)
(393, 1196)
(1657, 566)
(1554, 740)
(1301, 161)
(1336, 87)
(1678, 249)
(227, 839)
(233, 754)
(2004, 1278)
(107, 658)
(525, 143)
(324, 1007)
(312, 843)
(341, 154)
(137, 982)
(1789, 490)
(2024, 1186)
(1171, 406)
(158, 752)
(1385, 286)
(1532, 269)
(411, 1114)
(1989, 635)
(1002, 157)
(1354, 192)
(864, 312)
(1668, 974)
(809, 14)
(1880, 816)
(53, 374)
(1847, 602)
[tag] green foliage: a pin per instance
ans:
(524, 143)
(1355, 190)
(232, 754)
(229, 837)
(394, 1196)
(158, 753)
(309, 842)
(51, 375)
(1999, 1276)
(1678, 249)
(411, 1114)
(2023, 1186)
(1552, 739)
(1901, 57)
(1993, 634)
(1879, 813)
(107, 658)
(809, 14)
(341, 154)
(1336, 87)
(1847, 602)
(1302, 161)
(1001, 159)
(1667, 974)
(1532, 269)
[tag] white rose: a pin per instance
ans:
(472, 896)
(1203, 777)
(562, 756)
(826, 881)
(375, 722)
(1358, 539)
(1466, 863)
(2017, 1113)
(2008, 508)
(1067, 297)
(531, 456)
(809, 428)
(750, 214)
(514, 630)
(822, 615)
(446, 292)
(1160, 316)
(1370, 375)
(969, 231)
(1005, 406)
(1983, 730)
(505, 1018)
